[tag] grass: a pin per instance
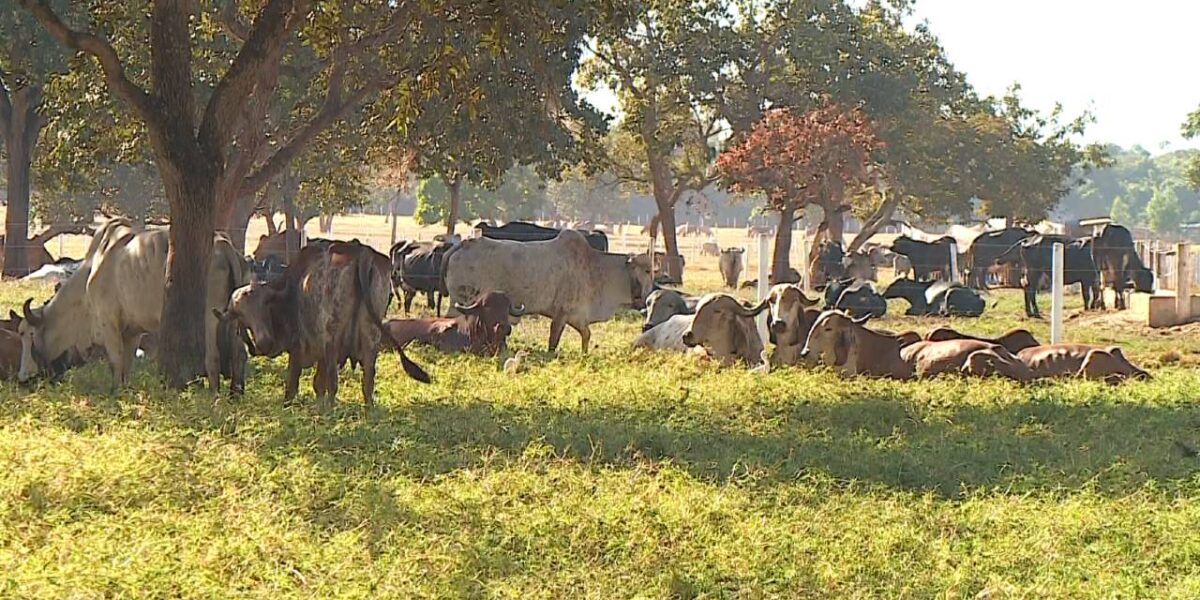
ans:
(618, 474)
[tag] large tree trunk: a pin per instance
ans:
(781, 260)
(292, 221)
(193, 220)
(455, 187)
(23, 132)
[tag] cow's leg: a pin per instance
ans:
(292, 386)
(438, 312)
(585, 334)
(408, 300)
(331, 363)
(212, 353)
(368, 378)
(557, 324)
(1119, 290)
(1031, 299)
(129, 344)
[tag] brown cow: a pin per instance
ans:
(971, 357)
(1014, 341)
(1105, 363)
(487, 322)
(845, 344)
(442, 333)
(725, 327)
(324, 309)
(10, 354)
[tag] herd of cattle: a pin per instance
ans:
(324, 307)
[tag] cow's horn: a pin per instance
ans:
(517, 310)
(752, 311)
(33, 318)
(861, 320)
(467, 309)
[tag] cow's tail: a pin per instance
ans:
(366, 275)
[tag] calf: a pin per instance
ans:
(486, 322)
(929, 259)
(730, 264)
(1105, 363)
(726, 329)
(664, 303)
(10, 354)
(836, 340)
(1014, 341)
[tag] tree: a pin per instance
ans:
(210, 127)
(800, 159)
(521, 195)
(595, 198)
(1120, 212)
(28, 61)
(1164, 213)
(1191, 130)
(663, 58)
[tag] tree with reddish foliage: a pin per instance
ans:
(800, 159)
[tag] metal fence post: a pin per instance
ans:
(763, 289)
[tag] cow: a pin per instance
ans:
(928, 259)
(418, 268)
(10, 354)
(710, 249)
(487, 322)
(726, 329)
(563, 279)
(664, 303)
(667, 335)
(792, 314)
(830, 262)
(970, 357)
(442, 333)
(730, 265)
(859, 265)
(267, 269)
(940, 298)
(1035, 253)
(115, 297)
(1014, 340)
(1106, 363)
(521, 231)
(981, 255)
(856, 298)
(276, 245)
(325, 309)
(836, 340)
(1119, 264)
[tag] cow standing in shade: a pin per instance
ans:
(929, 260)
(115, 297)
(1119, 264)
(730, 264)
(325, 309)
(1035, 256)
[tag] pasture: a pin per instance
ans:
(613, 475)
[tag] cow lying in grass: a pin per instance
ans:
(483, 327)
(722, 325)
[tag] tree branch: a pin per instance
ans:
(231, 19)
(58, 229)
(264, 46)
(114, 71)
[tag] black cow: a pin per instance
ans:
(856, 297)
(929, 259)
(1119, 264)
(521, 231)
(981, 256)
(830, 262)
(1035, 255)
(937, 298)
(417, 266)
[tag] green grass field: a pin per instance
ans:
(612, 475)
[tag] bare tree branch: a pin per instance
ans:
(114, 71)
(231, 19)
(58, 229)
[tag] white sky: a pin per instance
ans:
(1136, 65)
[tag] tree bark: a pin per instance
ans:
(193, 220)
(291, 242)
(325, 224)
(239, 222)
(23, 130)
(392, 209)
(455, 187)
(781, 260)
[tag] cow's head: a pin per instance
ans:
(33, 331)
(832, 338)
(488, 321)
(256, 308)
(725, 326)
(787, 303)
(641, 282)
(662, 304)
(1142, 279)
